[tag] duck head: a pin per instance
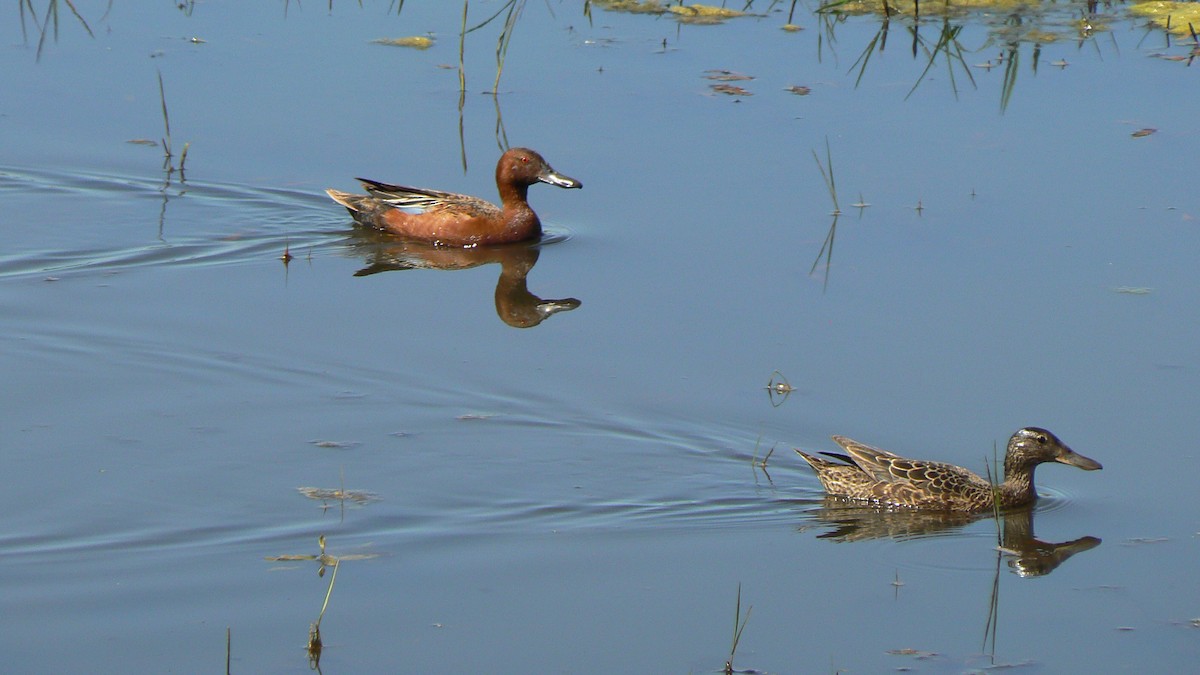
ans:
(1032, 446)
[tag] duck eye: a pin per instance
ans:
(1041, 438)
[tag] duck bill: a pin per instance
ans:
(556, 178)
(1077, 460)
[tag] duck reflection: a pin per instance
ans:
(1027, 555)
(515, 305)
(1032, 557)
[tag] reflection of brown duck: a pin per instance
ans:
(879, 476)
(1032, 557)
(854, 521)
(515, 305)
(851, 522)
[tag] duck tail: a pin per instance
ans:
(819, 463)
(353, 203)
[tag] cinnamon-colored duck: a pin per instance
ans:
(451, 219)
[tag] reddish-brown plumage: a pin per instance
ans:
(452, 219)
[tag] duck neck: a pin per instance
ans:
(513, 195)
(1018, 484)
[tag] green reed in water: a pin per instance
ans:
(739, 625)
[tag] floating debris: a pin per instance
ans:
(779, 386)
(142, 141)
(792, 28)
(726, 76)
(1133, 290)
(730, 89)
(912, 652)
(634, 6)
(416, 42)
(336, 445)
(473, 417)
(703, 14)
(799, 90)
(324, 558)
(1142, 133)
(334, 495)
(1146, 540)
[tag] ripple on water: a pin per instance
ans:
(76, 222)
(106, 222)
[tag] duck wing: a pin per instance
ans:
(875, 462)
(924, 477)
(405, 197)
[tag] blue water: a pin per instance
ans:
(582, 495)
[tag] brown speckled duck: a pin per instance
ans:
(884, 478)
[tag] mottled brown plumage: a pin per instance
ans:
(882, 477)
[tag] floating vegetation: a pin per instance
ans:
(730, 89)
(693, 14)
(1142, 133)
(799, 90)
(703, 14)
(1174, 17)
(415, 42)
(915, 653)
(337, 494)
(726, 76)
(792, 28)
(1133, 290)
(335, 445)
(325, 559)
(475, 417)
(630, 6)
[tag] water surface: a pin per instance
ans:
(581, 495)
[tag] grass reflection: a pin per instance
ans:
(49, 20)
(1009, 24)
(827, 247)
